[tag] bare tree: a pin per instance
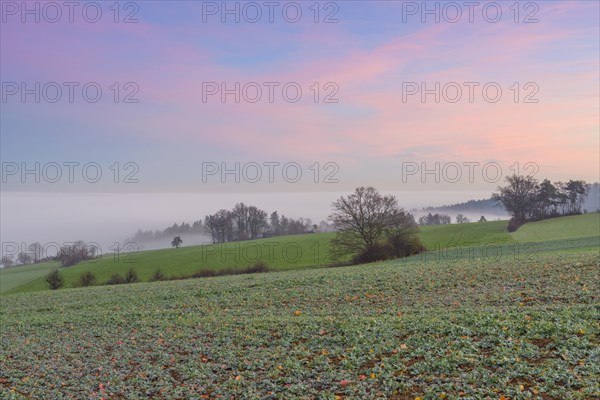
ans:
(275, 223)
(7, 261)
(240, 215)
(36, 250)
(220, 226)
(75, 253)
(24, 258)
(461, 219)
(435, 219)
(365, 220)
(519, 197)
(257, 222)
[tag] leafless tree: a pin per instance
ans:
(36, 250)
(366, 219)
(7, 261)
(519, 197)
(257, 221)
(24, 258)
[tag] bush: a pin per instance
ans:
(257, 268)
(54, 280)
(131, 276)
(87, 279)
(157, 276)
(115, 279)
(253, 269)
(514, 224)
(376, 252)
(394, 247)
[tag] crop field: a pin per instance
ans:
(472, 330)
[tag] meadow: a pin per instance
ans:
(434, 326)
(279, 253)
(444, 242)
(11, 278)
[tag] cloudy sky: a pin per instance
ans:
(163, 97)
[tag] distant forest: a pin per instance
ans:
(248, 222)
(483, 206)
(243, 222)
(590, 204)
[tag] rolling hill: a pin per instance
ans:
(453, 242)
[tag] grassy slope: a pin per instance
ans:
(11, 278)
(303, 251)
(516, 330)
(560, 228)
(437, 236)
(280, 253)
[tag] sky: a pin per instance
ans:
(238, 99)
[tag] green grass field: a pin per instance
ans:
(12, 278)
(479, 233)
(560, 228)
(280, 253)
(446, 242)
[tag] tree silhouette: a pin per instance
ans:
(176, 242)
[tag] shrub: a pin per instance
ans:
(204, 273)
(253, 269)
(376, 252)
(54, 279)
(514, 224)
(394, 247)
(157, 276)
(87, 278)
(257, 268)
(131, 276)
(115, 279)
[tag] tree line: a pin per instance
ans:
(242, 222)
(245, 222)
(527, 199)
(67, 255)
(185, 228)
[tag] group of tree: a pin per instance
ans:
(245, 222)
(489, 206)
(67, 255)
(178, 230)
(280, 226)
(526, 199)
(372, 227)
(33, 255)
(75, 253)
(461, 219)
(435, 219)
